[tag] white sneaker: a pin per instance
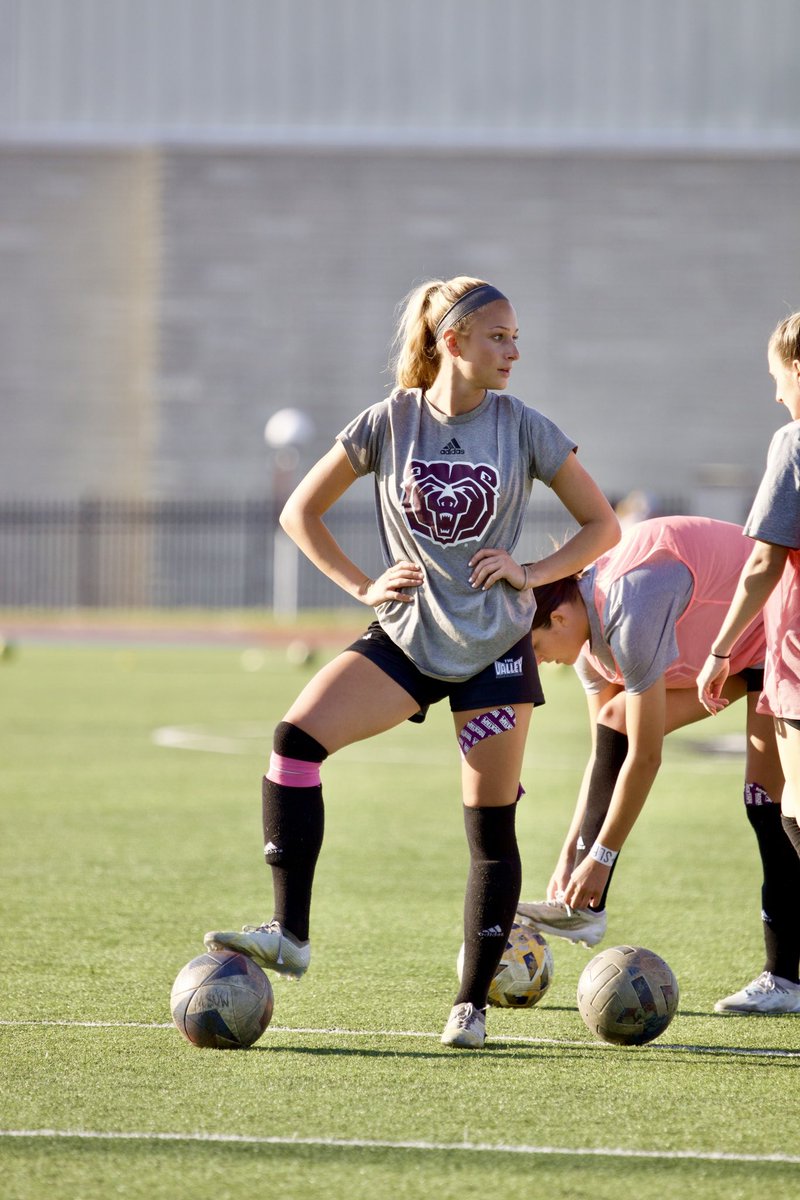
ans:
(768, 995)
(553, 917)
(268, 945)
(466, 1027)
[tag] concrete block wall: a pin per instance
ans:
(160, 305)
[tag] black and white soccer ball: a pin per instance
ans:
(627, 995)
(221, 1001)
(525, 970)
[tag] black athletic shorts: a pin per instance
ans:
(512, 679)
(753, 677)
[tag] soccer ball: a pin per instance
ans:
(627, 995)
(524, 972)
(221, 1001)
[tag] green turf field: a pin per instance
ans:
(119, 850)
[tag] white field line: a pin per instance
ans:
(385, 1144)
(734, 1051)
(252, 738)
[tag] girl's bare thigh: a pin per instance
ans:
(348, 700)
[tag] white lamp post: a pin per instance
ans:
(285, 433)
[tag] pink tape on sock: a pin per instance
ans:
(293, 772)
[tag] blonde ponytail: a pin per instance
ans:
(416, 359)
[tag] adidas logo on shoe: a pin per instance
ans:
(267, 945)
(452, 447)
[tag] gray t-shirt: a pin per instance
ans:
(636, 634)
(775, 515)
(445, 488)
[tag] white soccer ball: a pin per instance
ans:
(627, 995)
(221, 1000)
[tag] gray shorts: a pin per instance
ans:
(492, 687)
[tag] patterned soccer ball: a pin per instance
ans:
(523, 974)
(221, 1001)
(627, 995)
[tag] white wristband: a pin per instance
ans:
(603, 855)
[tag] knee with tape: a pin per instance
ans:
(295, 758)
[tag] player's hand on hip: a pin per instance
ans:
(391, 584)
(710, 683)
(489, 566)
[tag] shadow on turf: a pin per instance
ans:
(499, 1049)
(495, 1046)
(705, 1014)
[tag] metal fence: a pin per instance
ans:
(192, 554)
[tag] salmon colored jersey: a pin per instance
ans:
(781, 695)
(714, 552)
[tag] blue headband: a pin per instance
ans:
(466, 304)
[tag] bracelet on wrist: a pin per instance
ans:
(715, 655)
(603, 855)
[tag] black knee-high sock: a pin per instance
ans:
(792, 830)
(780, 891)
(293, 822)
(611, 750)
(493, 887)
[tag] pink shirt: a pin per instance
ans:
(714, 553)
(781, 695)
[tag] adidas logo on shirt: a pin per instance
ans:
(452, 447)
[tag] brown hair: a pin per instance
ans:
(416, 358)
(551, 596)
(785, 339)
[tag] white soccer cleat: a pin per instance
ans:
(769, 995)
(557, 919)
(466, 1027)
(268, 945)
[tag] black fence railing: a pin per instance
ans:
(198, 554)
